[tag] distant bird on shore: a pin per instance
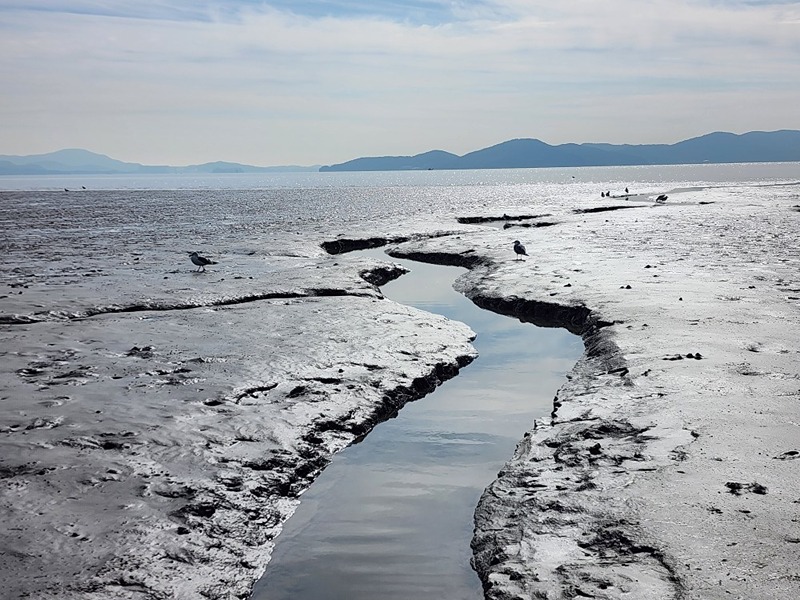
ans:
(200, 261)
(662, 198)
(519, 249)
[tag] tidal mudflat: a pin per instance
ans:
(392, 516)
(160, 425)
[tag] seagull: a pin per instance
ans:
(519, 249)
(200, 261)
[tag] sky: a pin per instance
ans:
(296, 82)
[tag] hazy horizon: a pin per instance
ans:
(151, 164)
(321, 82)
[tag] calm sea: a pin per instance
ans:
(642, 175)
(221, 210)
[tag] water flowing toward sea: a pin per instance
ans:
(391, 517)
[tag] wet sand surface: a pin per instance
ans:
(159, 425)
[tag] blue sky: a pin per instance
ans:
(277, 82)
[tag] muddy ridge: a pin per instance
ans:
(158, 306)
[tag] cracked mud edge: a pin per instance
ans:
(287, 474)
(545, 528)
(291, 474)
(232, 520)
(22, 319)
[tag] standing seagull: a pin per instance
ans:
(519, 249)
(200, 261)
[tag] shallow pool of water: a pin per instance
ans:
(391, 517)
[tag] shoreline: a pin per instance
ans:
(656, 475)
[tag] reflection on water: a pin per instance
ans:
(391, 517)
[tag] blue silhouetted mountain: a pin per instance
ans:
(521, 154)
(72, 160)
(756, 146)
(435, 159)
(75, 161)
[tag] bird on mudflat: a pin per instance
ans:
(200, 261)
(519, 249)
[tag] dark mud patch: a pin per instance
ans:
(343, 245)
(598, 209)
(382, 275)
(737, 488)
(531, 225)
(504, 217)
(465, 259)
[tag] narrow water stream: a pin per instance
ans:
(391, 517)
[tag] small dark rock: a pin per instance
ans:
(734, 487)
(143, 352)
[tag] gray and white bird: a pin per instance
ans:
(519, 249)
(200, 261)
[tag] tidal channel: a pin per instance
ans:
(392, 516)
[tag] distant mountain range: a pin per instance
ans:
(756, 146)
(82, 162)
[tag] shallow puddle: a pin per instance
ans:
(391, 517)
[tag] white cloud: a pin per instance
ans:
(184, 82)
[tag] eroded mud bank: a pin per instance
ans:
(667, 468)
